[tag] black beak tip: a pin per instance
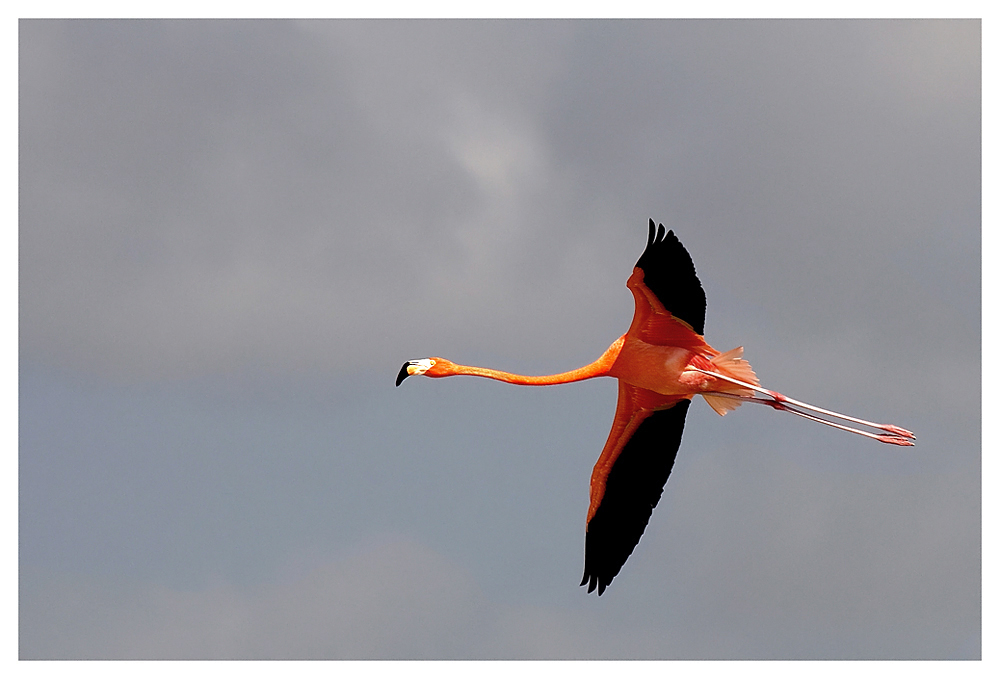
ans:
(402, 374)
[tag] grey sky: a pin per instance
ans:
(233, 233)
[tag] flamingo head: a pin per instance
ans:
(417, 367)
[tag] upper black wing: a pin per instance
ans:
(634, 486)
(669, 274)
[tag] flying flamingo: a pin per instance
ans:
(661, 363)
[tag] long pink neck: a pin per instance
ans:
(598, 368)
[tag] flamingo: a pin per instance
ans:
(661, 364)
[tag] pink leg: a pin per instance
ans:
(778, 401)
(778, 405)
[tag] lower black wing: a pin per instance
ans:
(634, 486)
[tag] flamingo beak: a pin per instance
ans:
(404, 372)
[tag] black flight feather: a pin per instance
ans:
(669, 274)
(634, 486)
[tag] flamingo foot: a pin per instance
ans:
(898, 431)
(897, 440)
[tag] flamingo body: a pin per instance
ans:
(661, 363)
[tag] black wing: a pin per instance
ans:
(669, 274)
(634, 486)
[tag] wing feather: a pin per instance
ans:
(628, 479)
(668, 273)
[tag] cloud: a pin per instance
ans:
(260, 210)
(397, 599)
(232, 233)
(206, 197)
(393, 600)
